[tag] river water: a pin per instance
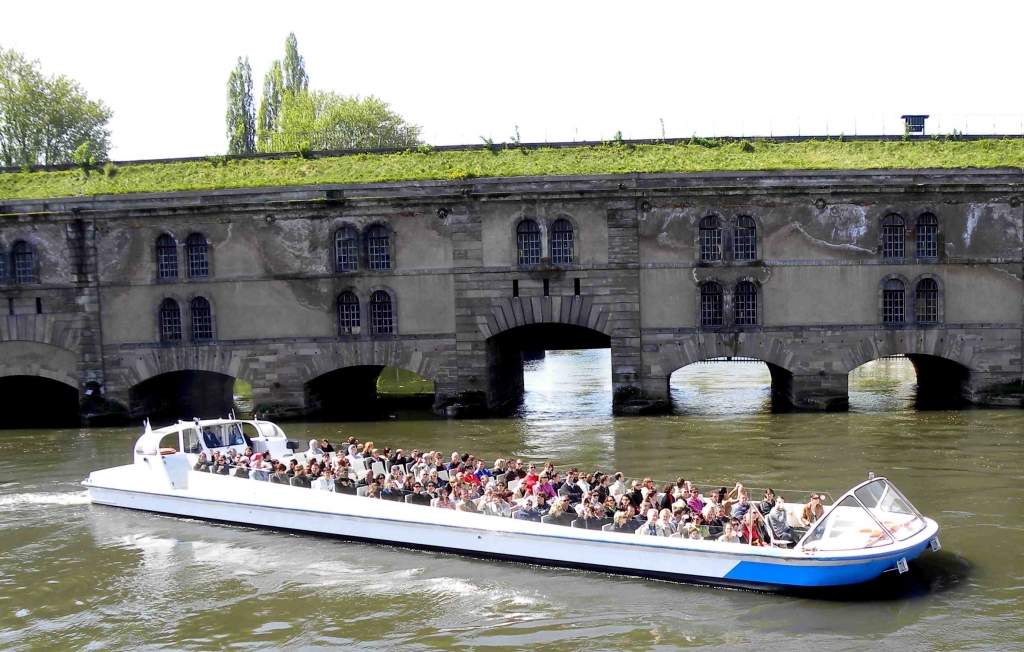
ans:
(76, 576)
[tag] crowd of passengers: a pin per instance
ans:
(513, 489)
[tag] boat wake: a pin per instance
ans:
(17, 501)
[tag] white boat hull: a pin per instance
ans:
(261, 504)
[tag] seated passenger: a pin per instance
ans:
(300, 479)
(325, 446)
(693, 533)
(202, 464)
(650, 528)
(767, 504)
(560, 513)
(636, 494)
(753, 532)
(343, 484)
(729, 535)
(694, 501)
(325, 482)
(618, 486)
(417, 497)
(241, 470)
(220, 466)
(465, 503)
(777, 519)
(354, 454)
(697, 521)
(528, 512)
(664, 525)
(543, 506)
(292, 465)
(280, 475)
(258, 473)
(666, 499)
(741, 509)
(812, 511)
(211, 439)
(443, 500)
(609, 506)
(621, 523)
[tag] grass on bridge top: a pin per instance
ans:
(424, 164)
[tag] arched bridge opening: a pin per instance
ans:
(911, 381)
(730, 385)
(182, 395)
(36, 402)
(366, 392)
(507, 351)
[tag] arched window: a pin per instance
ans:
(348, 313)
(927, 236)
(202, 319)
(24, 263)
(528, 237)
(3, 268)
(346, 249)
(746, 304)
(381, 314)
(893, 302)
(378, 247)
(170, 321)
(710, 240)
(926, 302)
(198, 256)
(561, 242)
(892, 237)
(711, 304)
(744, 239)
(166, 257)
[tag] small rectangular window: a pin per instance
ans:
(515, 288)
(576, 286)
(10, 306)
(547, 288)
(39, 306)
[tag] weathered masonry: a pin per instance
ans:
(151, 301)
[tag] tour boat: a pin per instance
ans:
(869, 530)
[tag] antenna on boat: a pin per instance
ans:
(871, 476)
(145, 425)
(232, 415)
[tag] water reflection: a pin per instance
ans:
(722, 388)
(883, 385)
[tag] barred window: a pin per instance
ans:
(346, 249)
(381, 314)
(198, 256)
(746, 304)
(711, 304)
(348, 313)
(166, 257)
(926, 303)
(24, 263)
(710, 240)
(744, 239)
(378, 247)
(202, 319)
(528, 236)
(927, 236)
(561, 242)
(892, 237)
(170, 321)
(893, 302)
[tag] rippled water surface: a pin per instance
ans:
(76, 576)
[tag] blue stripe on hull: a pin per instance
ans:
(818, 574)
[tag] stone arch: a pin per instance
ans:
(510, 312)
(39, 359)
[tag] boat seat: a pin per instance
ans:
(377, 468)
(608, 528)
(675, 535)
(514, 485)
(578, 523)
(361, 491)
(443, 475)
(500, 477)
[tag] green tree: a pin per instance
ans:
(324, 120)
(241, 118)
(45, 120)
(270, 106)
(295, 78)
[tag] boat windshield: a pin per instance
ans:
(847, 526)
(891, 509)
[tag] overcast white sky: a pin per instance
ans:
(558, 70)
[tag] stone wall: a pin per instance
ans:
(465, 309)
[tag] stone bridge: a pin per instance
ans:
(147, 304)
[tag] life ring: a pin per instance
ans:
(168, 451)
